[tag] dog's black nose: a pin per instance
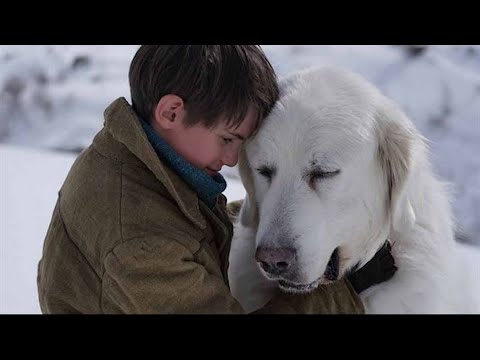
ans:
(275, 261)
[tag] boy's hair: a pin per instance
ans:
(214, 81)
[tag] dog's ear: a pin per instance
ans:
(396, 146)
(249, 211)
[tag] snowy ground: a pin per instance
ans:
(29, 182)
(52, 97)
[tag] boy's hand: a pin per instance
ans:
(379, 269)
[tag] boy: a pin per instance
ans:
(140, 225)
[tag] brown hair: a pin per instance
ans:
(214, 81)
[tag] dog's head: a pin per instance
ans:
(326, 178)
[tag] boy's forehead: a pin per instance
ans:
(245, 127)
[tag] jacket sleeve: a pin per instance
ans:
(152, 276)
(158, 276)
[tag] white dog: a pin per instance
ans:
(335, 171)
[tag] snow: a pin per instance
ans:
(52, 97)
(29, 183)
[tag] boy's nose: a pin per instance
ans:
(230, 158)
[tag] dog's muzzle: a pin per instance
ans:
(331, 274)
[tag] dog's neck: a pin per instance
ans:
(379, 269)
(386, 245)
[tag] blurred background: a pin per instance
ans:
(52, 99)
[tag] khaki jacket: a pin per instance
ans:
(128, 235)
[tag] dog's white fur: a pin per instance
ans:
(385, 189)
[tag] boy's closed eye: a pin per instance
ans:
(227, 140)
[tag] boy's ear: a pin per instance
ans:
(170, 112)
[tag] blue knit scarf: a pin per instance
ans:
(207, 187)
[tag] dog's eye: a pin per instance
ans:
(266, 172)
(319, 174)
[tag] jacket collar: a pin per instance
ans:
(124, 125)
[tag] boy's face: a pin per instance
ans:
(211, 149)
